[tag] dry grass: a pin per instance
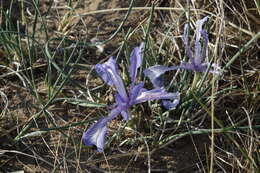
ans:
(50, 94)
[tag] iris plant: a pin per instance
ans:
(196, 63)
(124, 98)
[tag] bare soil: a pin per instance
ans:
(39, 154)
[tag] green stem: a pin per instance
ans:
(195, 80)
(243, 49)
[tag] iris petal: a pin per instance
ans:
(102, 70)
(185, 39)
(95, 135)
(156, 94)
(125, 115)
(109, 73)
(199, 26)
(187, 66)
(121, 102)
(198, 52)
(154, 73)
(134, 92)
(204, 52)
(169, 104)
(135, 61)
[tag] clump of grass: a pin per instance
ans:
(52, 94)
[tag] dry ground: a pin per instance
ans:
(52, 152)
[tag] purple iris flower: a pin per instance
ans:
(124, 99)
(196, 63)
